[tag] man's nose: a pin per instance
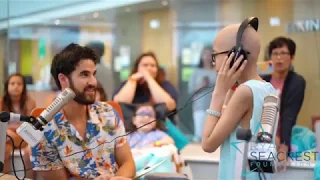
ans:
(93, 81)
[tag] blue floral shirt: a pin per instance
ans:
(63, 147)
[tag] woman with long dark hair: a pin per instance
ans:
(16, 100)
(146, 84)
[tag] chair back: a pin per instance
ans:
(117, 107)
(37, 111)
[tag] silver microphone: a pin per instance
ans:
(260, 151)
(29, 131)
(47, 115)
(269, 119)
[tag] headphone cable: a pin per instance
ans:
(12, 159)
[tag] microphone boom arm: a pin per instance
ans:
(6, 117)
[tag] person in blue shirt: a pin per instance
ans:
(147, 84)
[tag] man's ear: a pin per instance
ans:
(63, 79)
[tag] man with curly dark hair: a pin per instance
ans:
(87, 138)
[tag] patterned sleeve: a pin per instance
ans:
(120, 133)
(45, 157)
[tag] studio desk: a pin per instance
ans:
(205, 166)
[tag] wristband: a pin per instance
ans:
(213, 113)
(234, 87)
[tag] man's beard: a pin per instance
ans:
(81, 98)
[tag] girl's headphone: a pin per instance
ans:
(238, 50)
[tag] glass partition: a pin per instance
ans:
(4, 43)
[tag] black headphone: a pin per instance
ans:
(238, 50)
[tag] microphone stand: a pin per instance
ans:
(244, 161)
(5, 118)
(3, 142)
(246, 135)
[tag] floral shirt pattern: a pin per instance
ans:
(63, 147)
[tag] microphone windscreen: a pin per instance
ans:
(4, 116)
(243, 134)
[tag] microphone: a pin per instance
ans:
(8, 116)
(29, 131)
(48, 114)
(263, 152)
(269, 119)
(5, 117)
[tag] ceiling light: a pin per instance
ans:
(274, 21)
(165, 3)
(154, 24)
(57, 22)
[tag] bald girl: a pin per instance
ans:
(243, 108)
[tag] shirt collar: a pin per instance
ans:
(93, 114)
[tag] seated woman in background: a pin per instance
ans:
(147, 84)
(150, 135)
(16, 100)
